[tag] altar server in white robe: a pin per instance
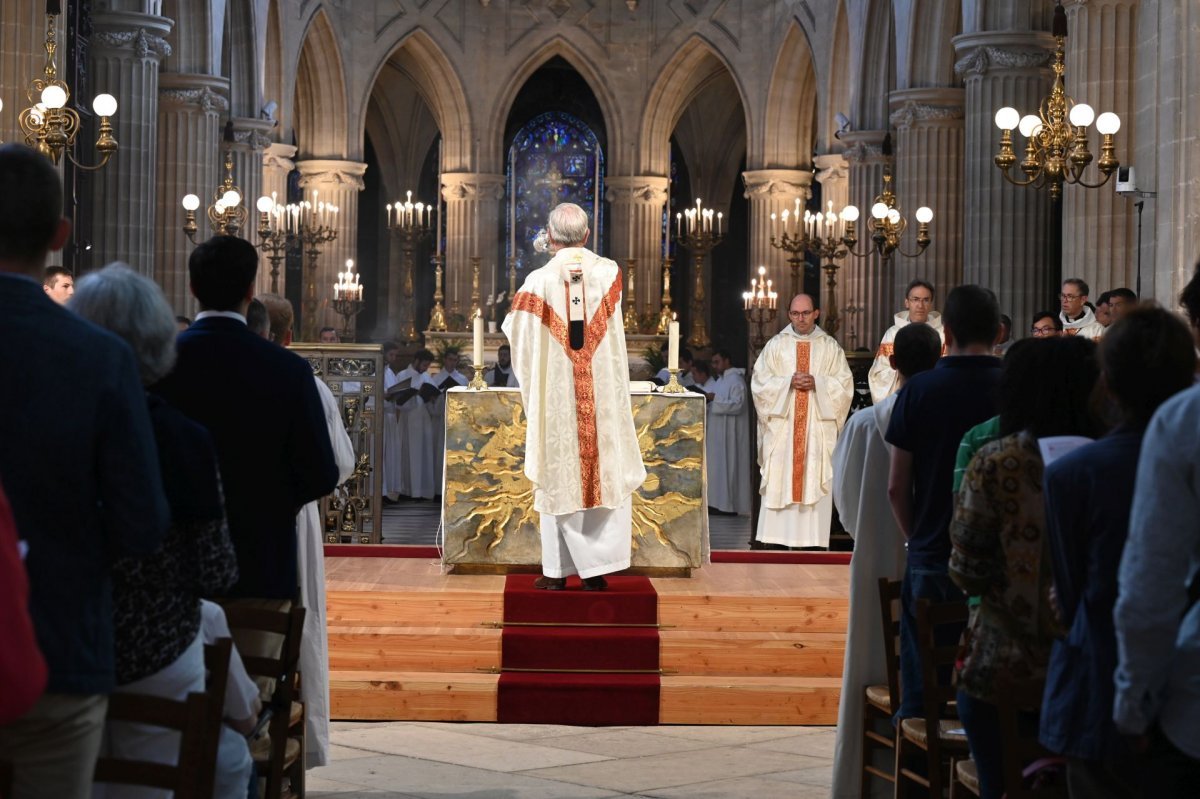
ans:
(394, 458)
(310, 541)
(883, 378)
(502, 374)
(416, 431)
(581, 448)
(437, 410)
(802, 389)
(861, 463)
(727, 438)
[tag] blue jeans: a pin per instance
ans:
(981, 720)
(935, 586)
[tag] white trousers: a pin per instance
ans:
(797, 525)
(587, 542)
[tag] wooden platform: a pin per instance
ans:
(742, 643)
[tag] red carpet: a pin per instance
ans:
(718, 556)
(559, 650)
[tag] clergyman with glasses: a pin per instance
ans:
(802, 389)
(918, 307)
(1077, 318)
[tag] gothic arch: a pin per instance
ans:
(791, 105)
(693, 67)
(419, 59)
(491, 142)
(320, 106)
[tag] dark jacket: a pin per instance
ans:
(261, 406)
(1089, 494)
(78, 460)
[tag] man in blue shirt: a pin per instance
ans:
(931, 414)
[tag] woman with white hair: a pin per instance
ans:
(156, 614)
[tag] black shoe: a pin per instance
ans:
(550, 583)
(594, 583)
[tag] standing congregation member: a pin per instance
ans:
(1078, 319)
(581, 448)
(928, 422)
(1146, 357)
(1120, 302)
(727, 438)
(1046, 324)
(78, 422)
(861, 461)
(918, 308)
(59, 284)
(802, 388)
(264, 413)
(310, 533)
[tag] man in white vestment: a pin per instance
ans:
(446, 379)
(802, 389)
(861, 464)
(1078, 319)
(581, 448)
(314, 643)
(394, 456)
(918, 307)
(727, 438)
(502, 374)
(416, 431)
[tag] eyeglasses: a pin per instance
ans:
(801, 314)
(1071, 297)
(920, 300)
(1049, 330)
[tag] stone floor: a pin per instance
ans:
(514, 761)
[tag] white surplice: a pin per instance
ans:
(796, 507)
(314, 645)
(882, 378)
(727, 443)
(581, 448)
(393, 441)
(861, 462)
(416, 434)
(1085, 326)
(437, 419)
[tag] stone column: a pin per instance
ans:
(1098, 224)
(276, 165)
(336, 182)
(834, 176)
(1006, 244)
(190, 108)
(472, 224)
(867, 280)
(638, 205)
(770, 191)
(22, 58)
(929, 171)
(125, 55)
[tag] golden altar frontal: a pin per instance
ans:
(487, 505)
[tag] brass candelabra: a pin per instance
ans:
(316, 230)
(630, 319)
(273, 239)
(887, 225)
(666, 315)
(348, 300)
(760, 304)
(695, 231)
(437, 317)
(226, 213)
(409, 222)
(476, 299)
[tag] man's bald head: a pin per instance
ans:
(803, 314)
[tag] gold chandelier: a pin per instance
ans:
(1056, 145)
(50, 126)
(227, 213)
(887, 224)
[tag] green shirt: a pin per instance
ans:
(974, 438)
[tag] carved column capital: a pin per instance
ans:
(642, 189)
(864, 146)
(207, 92)
(279, 156)
(914, 107)
(772, 184)
(253, 134)
(472, 186)
(831, 168)
(340, 174)
(1008, 51)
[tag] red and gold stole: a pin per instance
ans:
(800, 423)
(581, 366)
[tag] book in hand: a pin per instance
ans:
(447, 384)
(429, 392)
(401, 392)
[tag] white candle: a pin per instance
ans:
(437, 228)
(673, 351)
(719, 224)
(630, 224)
(478, 341)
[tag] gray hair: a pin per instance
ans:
(133, 307)
(568, 225)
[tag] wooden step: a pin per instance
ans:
(412, 696)
(754, 614)
(802, 654)
(749, 700)
(413, 608)
(442, 649)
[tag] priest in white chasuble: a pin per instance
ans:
(581, 448)
(802, 388)
(727, 438)
(883, 378)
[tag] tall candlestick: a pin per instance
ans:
(437, 232)
(673, 348)
(478, 348)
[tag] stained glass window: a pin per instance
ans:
(554, 158)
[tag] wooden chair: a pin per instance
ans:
(947, 741)
(197, 719)
(965, 780)
(1021, 749)
(280, 753)
(883, 700)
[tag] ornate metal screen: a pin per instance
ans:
(555, 158)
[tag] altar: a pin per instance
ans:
(488, 520)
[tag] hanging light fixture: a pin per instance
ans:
(887, 224)
(1056, 140)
